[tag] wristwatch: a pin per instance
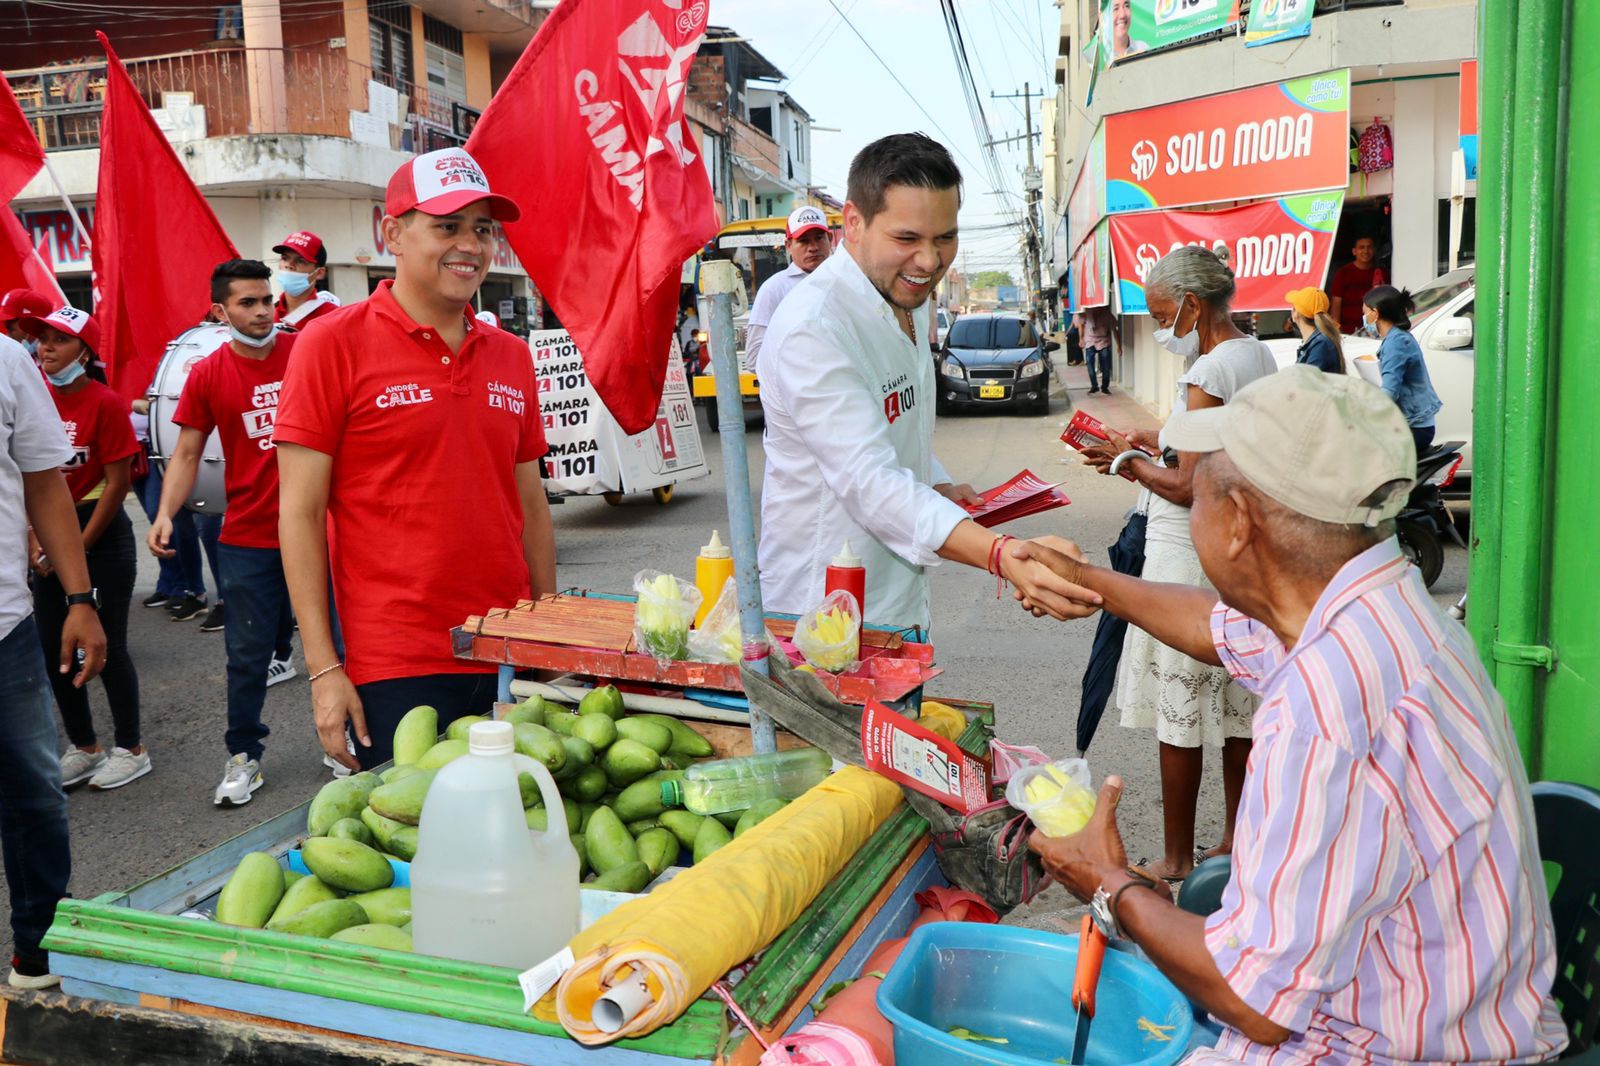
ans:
(1103, 906)
(92, 598)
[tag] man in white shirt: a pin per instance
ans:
(808, 242)
(847, 387)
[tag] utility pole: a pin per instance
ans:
(1033, 186)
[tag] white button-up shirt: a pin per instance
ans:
(768, 297)
(31, 441)
(849, 402)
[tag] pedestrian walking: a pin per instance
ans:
(302, 270)
(1096, 328)
(97, 426)
(1322, 345)
(1405, 373)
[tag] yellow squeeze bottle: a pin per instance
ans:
(713, 568)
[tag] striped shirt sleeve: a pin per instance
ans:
(1315, 862)
(1249, 650)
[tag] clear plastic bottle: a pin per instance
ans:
(484, 887)
(734, 784)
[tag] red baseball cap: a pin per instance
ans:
(19, 302)
(805, 219)
(67, 319)
(442, 183)
(306, 245)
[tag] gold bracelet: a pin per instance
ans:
(325, 670)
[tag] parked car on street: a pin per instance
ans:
(1443, 325)
(994, 360)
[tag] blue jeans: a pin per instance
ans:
(209, 527)
(33, 809)
(1098, 359)
(257, 596)
(181, 573)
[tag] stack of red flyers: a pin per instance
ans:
(1023, 495)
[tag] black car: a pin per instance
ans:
(994, 360)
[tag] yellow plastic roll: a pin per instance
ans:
(689, 932)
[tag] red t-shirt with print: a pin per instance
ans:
(98, 428)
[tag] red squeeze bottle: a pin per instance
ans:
(847, 573)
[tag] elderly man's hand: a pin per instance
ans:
(1086, 859)
(1045, 588)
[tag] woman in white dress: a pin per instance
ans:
(1188, 704)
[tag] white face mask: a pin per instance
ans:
(253, 342)
(1186, 346)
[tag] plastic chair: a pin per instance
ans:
(1568, 817)
(1201, 891)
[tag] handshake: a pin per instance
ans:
(1047, 575)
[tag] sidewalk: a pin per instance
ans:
(1118, 410)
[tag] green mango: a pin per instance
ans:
(532, 710)
(402, 800)
(461, 727)
(579, 751)
(403, 844)
(351, 829)
(586, 812)
(375, 935)
(658, 849)
(600, 730)
(541, 745)
(290, 877)
(756, 814)
(389, 906)
(252, 892)
(442, 754)
(580, 844)
(627, 761)
(322, 919)
(415, 734)
(605, 700)
(346, 864)
(302, 894)
(610, 843)
(642, 825)
(341, 798)
(685, 738)
(683, 824)
(730, 818)
(587, 785)
(396, 773)
(711, 836)
(539, 818)
(642, 799)
(658, 738)
(630, 877)
(562, 722)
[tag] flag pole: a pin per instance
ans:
(72, 212)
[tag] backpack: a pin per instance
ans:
(1375, 150)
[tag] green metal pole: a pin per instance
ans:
(1571, 696)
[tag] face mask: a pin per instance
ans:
(66, 375)
(293, 283)
(1187, 345)
(253, 342)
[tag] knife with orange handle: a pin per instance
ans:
(1085, 979)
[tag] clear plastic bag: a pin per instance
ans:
(663, 614)
(1010, 759)
(1056, 796)
(716, 640)
(829, 635)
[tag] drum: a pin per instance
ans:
(208, 495)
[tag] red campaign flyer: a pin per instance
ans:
(1086, 431)
(1025, 494)
(908, 754)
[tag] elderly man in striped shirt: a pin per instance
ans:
(1387, 903)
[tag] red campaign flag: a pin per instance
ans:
(20, 153)
(156, 240)
(587, 135)
(21, 264)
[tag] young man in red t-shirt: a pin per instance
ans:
(234, 391)
(302, 266)
(409, 439)
(1351, 283)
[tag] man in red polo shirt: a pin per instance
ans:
(234, 390)
(302, 267)
(409, 440)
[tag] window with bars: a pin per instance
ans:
(389, 26)
(447, 68)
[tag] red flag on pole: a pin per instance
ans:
(21, 265)
(20, 153)
(587, 135)
(156, 240)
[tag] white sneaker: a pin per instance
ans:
(240, 778)
(77, 765)
(122, 767)
(280, 670)
(340, 769)
(33, 982)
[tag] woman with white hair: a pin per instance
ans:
(1187, 703)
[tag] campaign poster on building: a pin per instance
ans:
(589, 453)
(1469, 116)
(1128, 27)
(1268, 140)
(1086, 205)
(1272, 21)
(1089, 283)
(1273, 248)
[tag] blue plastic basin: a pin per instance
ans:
(1016, 984)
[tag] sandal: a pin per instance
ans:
(1144, 866)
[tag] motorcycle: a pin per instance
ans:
(1426, 520)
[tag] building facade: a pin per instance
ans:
(1405, 67)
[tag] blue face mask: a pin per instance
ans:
(293, 283)
(66, 375)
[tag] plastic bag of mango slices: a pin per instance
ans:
(1057, 796)
(829, 635)
(662, 616)
(717, 639)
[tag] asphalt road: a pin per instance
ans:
(988, 648)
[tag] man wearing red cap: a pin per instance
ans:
(409, 439)
(302, 267)
(808, 243)
(17, 304)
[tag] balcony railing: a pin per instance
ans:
(296, 92)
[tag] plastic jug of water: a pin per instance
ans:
(484, 887)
